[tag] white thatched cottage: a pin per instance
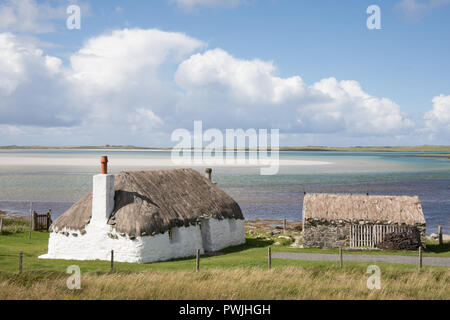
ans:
(147, 216)
(346, 220)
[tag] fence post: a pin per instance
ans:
(31, 220)
(1, 225)
(112, 261)
(48, 219)
(20, 261)
(269, 255)
(440, 235)
(197, 261)
(35, 221)
(284, 226)
(341, 260)
(420, 258)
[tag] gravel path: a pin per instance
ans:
(433, 261)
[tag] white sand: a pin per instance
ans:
(121, 161)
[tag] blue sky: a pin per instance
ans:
(399, 89)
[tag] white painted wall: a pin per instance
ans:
(96, 245)
(184, 243)
(219, 234)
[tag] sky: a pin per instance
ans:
(135, 71)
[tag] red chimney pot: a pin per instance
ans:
(104, 164)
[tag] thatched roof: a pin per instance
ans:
(331, 207)
(151, 202)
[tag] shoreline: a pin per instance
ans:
(433, 155)
(146, 162)
(423, 148)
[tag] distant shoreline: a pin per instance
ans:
(433, 155)
(424, 148)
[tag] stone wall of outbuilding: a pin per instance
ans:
(324, 234)
(320, 233)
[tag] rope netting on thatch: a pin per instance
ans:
(396, 209)
(151, 202)
(76, 217)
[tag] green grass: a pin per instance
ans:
(432, 249)
(252, 254)
(231, 283)
(238, 273)
(15, 238)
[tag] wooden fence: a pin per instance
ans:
(371, 235)
(42, 221)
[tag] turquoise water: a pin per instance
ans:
(279, 196)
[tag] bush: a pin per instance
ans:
(15, 225)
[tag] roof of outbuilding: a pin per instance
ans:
(396, 209)
(151, 202)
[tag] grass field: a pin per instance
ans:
(281, 282)
(238, 273)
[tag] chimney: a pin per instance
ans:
(208, 172)
(102, 195)
(104, 165)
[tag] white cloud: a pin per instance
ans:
(251, 81)
(144, 120)
(135, 86)
(248, 92)
(29, 16)
(438, 118)
(33, 89)
(118, 73)
(348, 108)
(416, 8)
(128, 56)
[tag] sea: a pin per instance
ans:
(56, 179)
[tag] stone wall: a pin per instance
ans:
(325, 234)
(320, 233)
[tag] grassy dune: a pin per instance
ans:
(237, 283)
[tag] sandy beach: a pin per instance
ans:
(90, 161)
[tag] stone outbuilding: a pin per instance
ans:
(147, 216)
(346, 220)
